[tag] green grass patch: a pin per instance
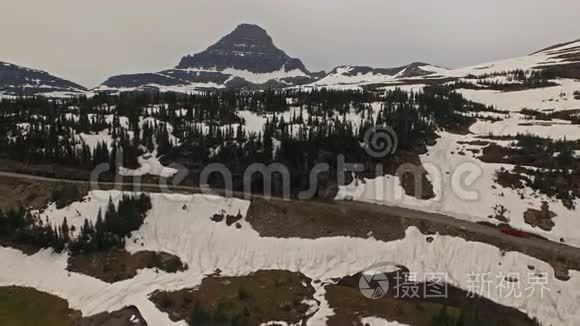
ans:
(29, 307)
(248, 300)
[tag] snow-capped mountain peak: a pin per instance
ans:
(247, 57)
(249, 48)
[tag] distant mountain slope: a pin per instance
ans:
(562, 60)
(247, 57)
(362, 75)
(16, 80)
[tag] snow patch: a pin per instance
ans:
(180, 224)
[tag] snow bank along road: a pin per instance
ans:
(547, 249)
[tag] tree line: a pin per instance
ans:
(21, 227)
(196, 130)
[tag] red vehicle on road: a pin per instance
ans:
(519, 234)
(514, 232)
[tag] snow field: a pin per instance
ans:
(180, 224)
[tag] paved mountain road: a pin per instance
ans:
(547, 248)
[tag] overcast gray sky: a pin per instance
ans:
(88, 41)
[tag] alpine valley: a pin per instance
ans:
(481, 176)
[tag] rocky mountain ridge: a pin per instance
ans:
(21, 81)
(247, 58)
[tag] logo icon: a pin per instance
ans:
(373, 284)
(380, 141)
